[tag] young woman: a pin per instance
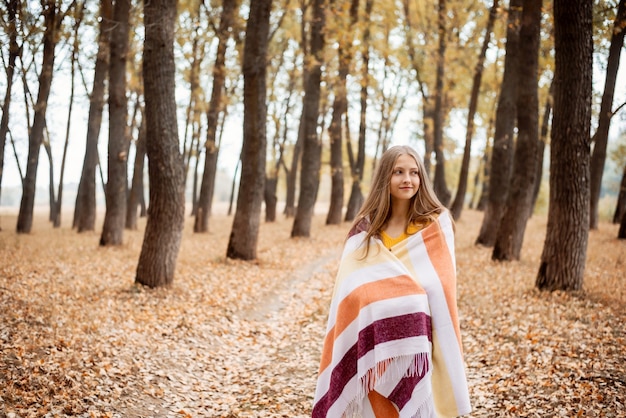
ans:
(393, 343)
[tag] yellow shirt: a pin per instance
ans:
(413, 228)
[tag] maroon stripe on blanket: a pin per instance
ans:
(404, 390)
(378, 332)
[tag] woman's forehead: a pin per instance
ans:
(405, 160)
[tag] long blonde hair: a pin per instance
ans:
(376, 209)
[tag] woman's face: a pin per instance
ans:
(405, 180)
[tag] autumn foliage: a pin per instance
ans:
(242, 339)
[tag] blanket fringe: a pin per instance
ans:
(389, 369)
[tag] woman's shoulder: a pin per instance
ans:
(360, 225)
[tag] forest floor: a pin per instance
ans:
(243, 339)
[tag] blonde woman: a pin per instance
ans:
(393, 342)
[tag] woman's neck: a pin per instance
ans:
(396, 224)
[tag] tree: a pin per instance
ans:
(439, 182)
(207, 186)
(620, 207)
(52, 20)
(292, 173)
(357, 167)
(543, 139)
(563, 257)
(166, 171)
(339, 109)
(312, 147)
(117, 162)
(245, 231)
(56, 212)
(136, 194)
(518, 208)
(85, 206)
(621, 233)
(502, 150)
(14, 51)
(459, 200)
(600, 138)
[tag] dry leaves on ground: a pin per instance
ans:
(241, 339)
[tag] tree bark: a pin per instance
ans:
(563, 259)
(439, 182)
(292, 174)
(502, 150)
(166, 170)
(510, 237)
(35, 138)
(340, 105)
(135, 196)
(14, 52)
(355, 201)
(541, 147)
(459, 200)
(75, 51)
(270, 198)
(484, 192)
(620, 206)
(117, 161)
(312, 147)
(428, 108)
(600, 138)
(621, 233)
(85, 206)
(207, 186)
(245, 231)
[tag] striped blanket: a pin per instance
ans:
(393, 328)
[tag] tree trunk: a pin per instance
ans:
(14, 52)
(541, 147)
(563, 259)
(25, 217)
(75, 51)
(340, 106)
(335, 210)
(459, 200)
(207, 186)
(484, 192)
(245, 232)
(85, 207)
(117, 162)
(312, 147)
(620, 207)
(136, 189)
(428, 109)
(270, 198)
(600, 138)
(292, 176)
(164, 228)
(510, 237)
(355, 201)
(621, 234)
(439, 182)
(502, 150)
(429, 136)
(233, 187)
(51, 196)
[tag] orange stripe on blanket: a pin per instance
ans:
(440, 257)
(360, 297)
